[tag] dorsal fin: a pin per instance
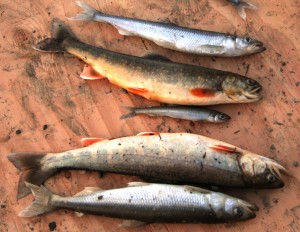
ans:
(196, 189)
(148, 133)
(89, 141)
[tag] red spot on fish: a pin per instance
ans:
(201, 92)
(223, 148)
(89, 73)
(89, 141)
(137, 91)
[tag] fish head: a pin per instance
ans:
(228, 208)
(240, 88)
(261, 172)
(218, 117)
(246, 45)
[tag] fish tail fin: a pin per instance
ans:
(88, 13)
(131, 113)
(31, 169)
(240, 7)
(59, 32)
(41, 203)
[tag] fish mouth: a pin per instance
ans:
(258, 46)
(253, 93)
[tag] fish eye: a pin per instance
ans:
(250, 82)
(248, 40)
(238, 211)
(271, 178)
(222, 116)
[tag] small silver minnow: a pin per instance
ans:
(175, 37)
(143, 203)
(180, 112)
(241, 5)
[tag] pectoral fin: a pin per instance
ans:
(89, 73)
(223, 148)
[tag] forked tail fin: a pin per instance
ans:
(88, 14)
(59, 32)
(31, 170)
(41, 203)
(130, 114)
(241, 6)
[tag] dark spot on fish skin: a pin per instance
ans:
(52, 226)
(129, 200)
(100, 197)
(272, 147)
(45, 127)
(204, 155)
(18, 132)
(201, 166)
(119, 144)
(215, 159)
(236, 132)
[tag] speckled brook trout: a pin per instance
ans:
(157, 80)
(240, 6)
(178, 38)
(143, 203)
(173, 157)
(181, 112)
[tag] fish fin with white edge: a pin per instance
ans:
(41, 203)
(89, 141)
(241, 6)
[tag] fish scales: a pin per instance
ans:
(147, 203)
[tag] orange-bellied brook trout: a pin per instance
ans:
(173, 157)
(161, 81)
(143, 203)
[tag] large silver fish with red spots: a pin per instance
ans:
(158, 80)
(175, 157)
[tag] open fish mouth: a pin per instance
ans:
(258, 46)
(253, 93)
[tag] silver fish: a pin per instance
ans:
(241, 5)
(181, 112)
(146, 203)
(176, 37)
(169, 157)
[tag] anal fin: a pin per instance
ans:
(137, 91)
(89, 73)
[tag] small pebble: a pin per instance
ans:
(18, 132)
(52, 226)
(296, 164)
(45, 127)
